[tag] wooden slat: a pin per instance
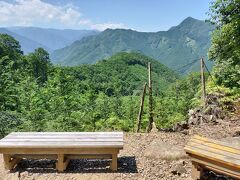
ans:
(53, 144)
(213, 156)
(64, 135)
(60, 137)
(214, 150)
(216, 146)
(69, 156)
(60, 150)
(61, 140)
(68, 133)
(224, 144)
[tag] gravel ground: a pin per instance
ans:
(145, 156)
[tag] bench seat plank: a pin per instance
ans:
(214, 150)
(63, 137)
(63, 140)
(66, 133)
(216, 146)
(223, 144)
(65, 144)
(60, 150)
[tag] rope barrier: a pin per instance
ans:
(211, 75)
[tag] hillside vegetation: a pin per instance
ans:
(37, 96)
(174, 48)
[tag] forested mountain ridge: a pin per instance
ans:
(128, 72)
(49, 39)
(174, 48)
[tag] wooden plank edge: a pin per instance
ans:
(216, 146)
(218, 169)
(214, 141)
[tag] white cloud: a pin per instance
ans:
(38, 13)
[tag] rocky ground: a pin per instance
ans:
(157, 155)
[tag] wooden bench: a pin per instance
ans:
(61, 146)
(217, 156)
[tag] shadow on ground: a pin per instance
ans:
(126, 164)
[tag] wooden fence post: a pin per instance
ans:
(141, 107)
(150, 107)
(203, 83)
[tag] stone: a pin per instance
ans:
(154, 128)
(236, 134)
(178, 169)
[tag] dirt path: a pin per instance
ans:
(145, 156)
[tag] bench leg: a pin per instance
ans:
(9, 162)
(197, 171)
(113, 164)
(62, 163)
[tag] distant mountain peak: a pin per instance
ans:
(188, 19)
(174, 48)
(190, 24)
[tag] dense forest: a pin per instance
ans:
(36, 95)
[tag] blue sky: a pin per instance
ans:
(141, 15)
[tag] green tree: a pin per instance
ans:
(39, 62)
(225, 48)
(8, 95)
(9, 47)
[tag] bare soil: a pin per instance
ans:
(145, 156)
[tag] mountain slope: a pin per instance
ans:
(27, 45)
(175, 47)
(50, 39)
(124, 72)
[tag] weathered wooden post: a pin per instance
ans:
(150, 106)
(203, 83)
(141, 107)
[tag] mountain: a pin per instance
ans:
(27, 45)
(123, 73)
(174, 48)
(49, 39)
